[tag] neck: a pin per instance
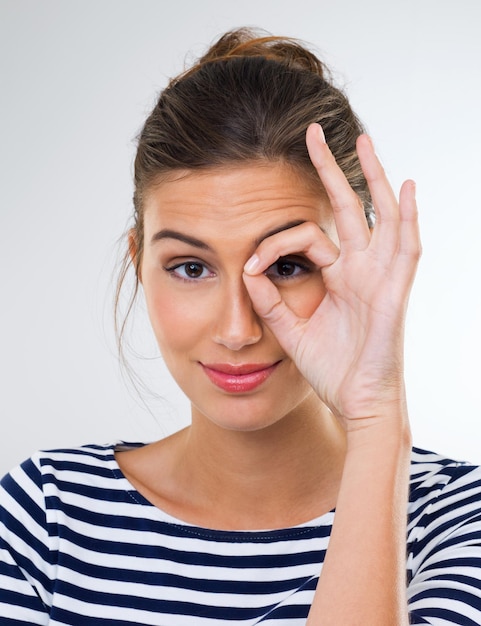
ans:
(279, 476)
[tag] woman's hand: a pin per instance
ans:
(351, 348)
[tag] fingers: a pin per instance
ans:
(396, 230)
(409, 239)
(382, 194)
(385, 237)
(270, 306)
(349, 214)
(307, 238)
(395, 236)
(387, 257)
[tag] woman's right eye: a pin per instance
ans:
(189, 271)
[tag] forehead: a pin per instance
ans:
(234, 199)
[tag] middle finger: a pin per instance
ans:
(349, 216)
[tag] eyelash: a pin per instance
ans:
(302, 268)
(187, 279)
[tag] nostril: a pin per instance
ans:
(237, 342)
(237, 331)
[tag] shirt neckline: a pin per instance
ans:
(322, 521)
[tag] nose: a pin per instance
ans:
(237, 324)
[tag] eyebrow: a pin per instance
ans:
(279, 229)
(167, 233)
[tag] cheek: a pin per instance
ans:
(177, 321)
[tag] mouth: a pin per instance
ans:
(240, 378)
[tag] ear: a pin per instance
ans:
(134, 251)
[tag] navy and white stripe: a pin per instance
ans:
(80, 546)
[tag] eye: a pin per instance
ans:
(286, 267)
(189, 271)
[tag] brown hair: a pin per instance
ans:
(251, 97)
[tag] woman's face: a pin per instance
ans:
(200, 229)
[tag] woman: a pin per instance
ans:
(278, 306)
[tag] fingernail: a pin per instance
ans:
(320, 133)
(373, 147)
(252, 264)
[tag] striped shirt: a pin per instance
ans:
(80, 546)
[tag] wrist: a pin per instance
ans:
(375, 410)
(380, 438)
(380, 433)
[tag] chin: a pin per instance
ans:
(250, 413)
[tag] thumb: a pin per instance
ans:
(271, 308)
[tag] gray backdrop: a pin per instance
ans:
(78, 78)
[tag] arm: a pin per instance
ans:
(351, 351)
(363, 579)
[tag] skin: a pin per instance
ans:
(329, 427)
(239, 445)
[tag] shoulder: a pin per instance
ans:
(444, 504)
(434, 478)
(32, 472)
(47, 474)
(42, 494)
(444, 540)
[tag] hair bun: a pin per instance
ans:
(249, 42)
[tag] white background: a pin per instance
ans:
(77, 80)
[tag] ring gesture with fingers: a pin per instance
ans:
(351, 348)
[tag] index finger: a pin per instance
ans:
(307, 238)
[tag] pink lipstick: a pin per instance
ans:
(239, 378)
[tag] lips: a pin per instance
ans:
(239, 378)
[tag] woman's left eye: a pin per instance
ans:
(285, 268)
(189, 271)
